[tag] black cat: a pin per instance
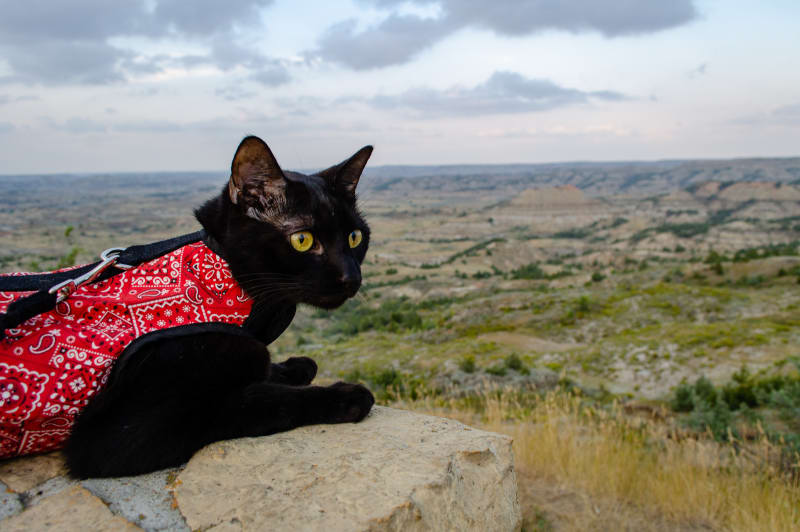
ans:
(288, 238)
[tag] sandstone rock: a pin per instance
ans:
(71, 509)
(741, 192)
(10, 502)
(144, 500)
(22, 474)
(396, 470)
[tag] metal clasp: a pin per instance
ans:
(108, 258)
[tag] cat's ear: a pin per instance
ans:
(257, 183)
(344, 176)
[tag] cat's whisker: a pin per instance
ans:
(284, 292)
(269, 292)
(269, 282)
(265, 276)
(254, 283)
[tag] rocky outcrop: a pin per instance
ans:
(396, 470)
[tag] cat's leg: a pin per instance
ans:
(132, 441)
(266, 408)
(295, 371)
(180, 394)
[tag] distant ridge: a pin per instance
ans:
(471, 169)
(593, 178)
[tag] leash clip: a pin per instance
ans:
(108, 258)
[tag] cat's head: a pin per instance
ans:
(289, 236)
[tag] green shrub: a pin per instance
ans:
(513, 361)
(393, 315)
(716, 410)
(715, 418)
(467, 364)
(617, 222)
(497, 369)
(597, 277)
(683, 398)
(577, 233)
(68, 259)
(704, 391)
(741, 391)
(529, 271)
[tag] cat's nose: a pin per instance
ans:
(351, 282)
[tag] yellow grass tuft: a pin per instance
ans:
(585, 468)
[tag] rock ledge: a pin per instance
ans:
(396, 470)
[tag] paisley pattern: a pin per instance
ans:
(52, 365)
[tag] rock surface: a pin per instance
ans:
(396, 470)
(71, 509)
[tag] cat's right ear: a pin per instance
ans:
(344, 176)
(257, 183)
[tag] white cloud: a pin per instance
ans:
(400, 37)
(503, 92)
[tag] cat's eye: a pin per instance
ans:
(354, 238)
(302, 240)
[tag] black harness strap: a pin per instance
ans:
(42, 301)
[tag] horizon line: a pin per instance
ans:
(433, 165)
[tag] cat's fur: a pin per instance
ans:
(175, 395)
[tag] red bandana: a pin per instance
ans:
(53, 364)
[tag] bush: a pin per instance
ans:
(577, 233)
(683, 399)
(514, 362)
(467, 364)
(498, 369)
(68, 259)
(389, 383)
(394, 315)
(742, 391)
(715, 418)
(688, 397)
(704, 391)
(617, 222)
(713, 409)
(529, 271)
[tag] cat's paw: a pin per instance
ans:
(353, 402)
(295, 371)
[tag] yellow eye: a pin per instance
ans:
(302, 241)
(354, 238)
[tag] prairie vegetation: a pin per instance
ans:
(582, 466)
(638, 338)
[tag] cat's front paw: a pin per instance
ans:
(352, 402)
(295, 371)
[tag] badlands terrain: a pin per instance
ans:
(668, 291)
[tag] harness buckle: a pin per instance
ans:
(108, 258)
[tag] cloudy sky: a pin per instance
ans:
(140, 85)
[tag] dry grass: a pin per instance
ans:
(583, 468)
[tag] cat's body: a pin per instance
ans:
(287, 238)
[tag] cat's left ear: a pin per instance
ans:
(344, 176)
